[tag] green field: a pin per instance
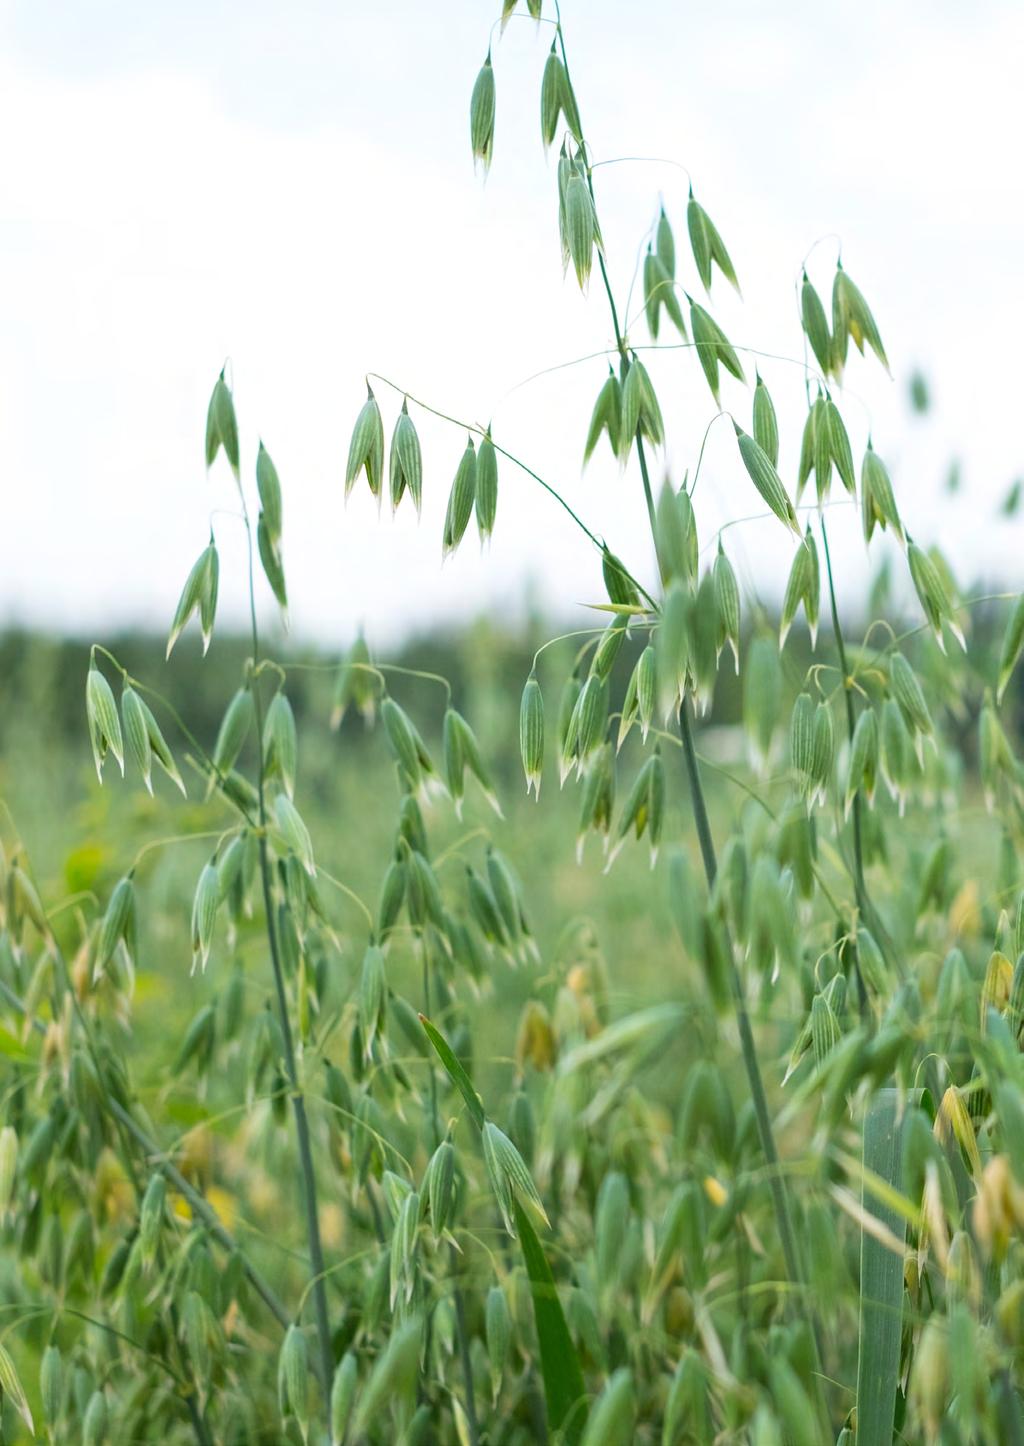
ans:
(350, 1095)
(608, 949)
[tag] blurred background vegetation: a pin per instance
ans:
(81, 838)
(225, 1128)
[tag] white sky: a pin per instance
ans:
(292, 187)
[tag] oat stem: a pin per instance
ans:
(780, 1196)
(316, 1254)
(552, 491)
(457, 1299)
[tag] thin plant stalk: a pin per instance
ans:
(199, 1206)
(316, 1254)
(462, 1336)
(881, 1284)
(780, 1196)
(759, 1099)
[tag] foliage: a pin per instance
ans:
(793, 1173)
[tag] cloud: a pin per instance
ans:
(300, 199)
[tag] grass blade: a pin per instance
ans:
(458, 1075)
(881, 1282)
(563, 1379)
(564, 1390)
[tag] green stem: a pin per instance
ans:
(453, 1255)
(758, 1096)
(864, 902)
(780, 1198)
(110, 1330)
(866, 905)
(766, 1134)
(202, 1435)
(619, 341)
(432, 1077)
(752, 793)
(316, 1253)
(453, 1258)
(201, 1208)
(552, 491)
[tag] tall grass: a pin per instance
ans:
(419, 1167)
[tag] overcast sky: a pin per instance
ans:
(291, 187)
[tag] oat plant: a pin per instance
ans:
(368, 1201)
(863, 1056)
